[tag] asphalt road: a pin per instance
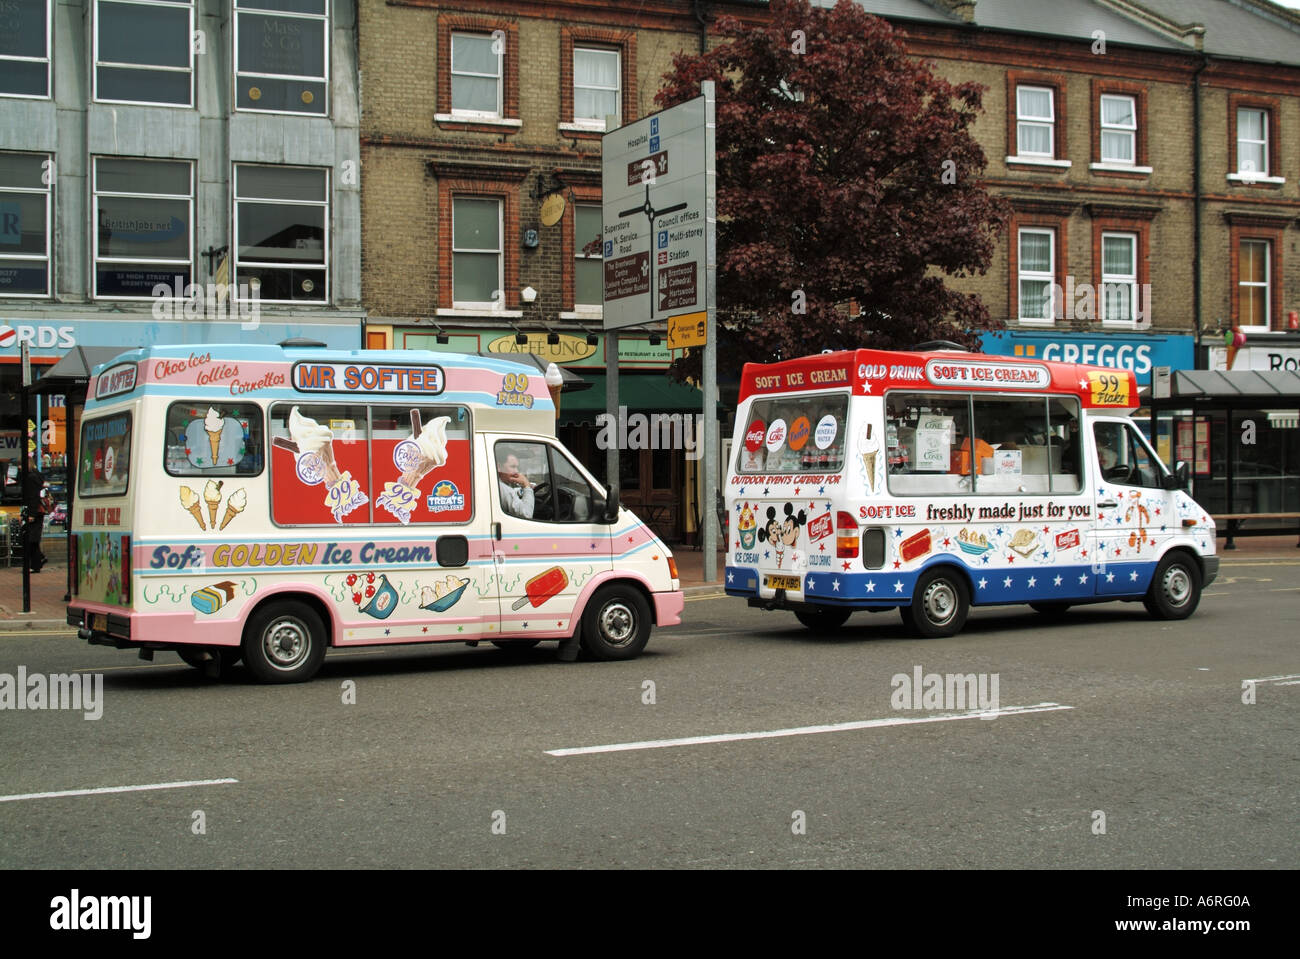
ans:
(443, 759)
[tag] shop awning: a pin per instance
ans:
(73, 371)
(572, 381)
(639, 392)
(1251, 385)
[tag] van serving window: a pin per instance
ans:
(950, 443)
(795, 434)
(105, 456)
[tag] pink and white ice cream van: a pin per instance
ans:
(269, 502)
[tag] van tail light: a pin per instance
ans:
(672, 568)
(846, 535)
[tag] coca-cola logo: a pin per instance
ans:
(755, 435)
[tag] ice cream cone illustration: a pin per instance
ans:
(213, 424)
(212, 496)
(555, 383)
(869, 451)
(312, 437)
(190, 500)
(234, 506)
(432, 444)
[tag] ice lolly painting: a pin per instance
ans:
(542, 587)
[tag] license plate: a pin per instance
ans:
(782, 582)
(99, 622)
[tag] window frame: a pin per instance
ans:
(83, 490)
(199, 472)
(1266, 285)
(96, 63)
(507, 121)
(1036, 276)
(592, 122)
(96, 193)
(578, 256)
(48, 258)
(1130, 280)
(1116, 128)
(238, 261)
(236, 73)
(1271, 107)
(48, 60)
(462, 114)
(1262, 144)
(491, 305)
(621, 42)
(1049, 121)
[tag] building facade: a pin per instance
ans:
(174, 171)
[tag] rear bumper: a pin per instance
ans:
(668, 608)
(102, 625)
(1211, 567)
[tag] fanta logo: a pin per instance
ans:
(799, 432)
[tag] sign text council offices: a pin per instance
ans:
(654, 204)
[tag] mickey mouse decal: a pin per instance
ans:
(783, 535)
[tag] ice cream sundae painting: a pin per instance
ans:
(312, 445)
(416, 457)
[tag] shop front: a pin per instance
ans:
(656, 428)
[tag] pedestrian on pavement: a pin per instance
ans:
(35, 498)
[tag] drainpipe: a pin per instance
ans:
(697, 7)
(1196, 210)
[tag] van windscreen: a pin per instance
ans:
(794, 434)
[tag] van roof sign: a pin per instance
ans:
(872, 372)
(403, 378)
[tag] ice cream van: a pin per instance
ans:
(934, 482)
(270, 502)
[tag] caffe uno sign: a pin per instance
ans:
(570, 349)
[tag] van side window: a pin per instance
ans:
(319, 468)
(1123, 458)
(536, 481)
(213, 440)
(420, 464)
(795, 434)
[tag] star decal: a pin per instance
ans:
(737, 544)
(821, 548)
(559, 623)
(898, 586)
(1010, 558)
(898, 532)
(983, 582)
(740, 492)
(593, 545)
(731, 577)
(999, 531)
(1007, 582)
(835, 585)
(1083, 579)
(897, 564)
(1083, 552)
(388, 632)
(1057, 581)
(766, 554)
(766, 491)
(985, 558)
(812, 584)
(846, 566)
(796, 491)
(1133, 576)
(947, 542)
(460, 629)
(1117, 552)
(1045, 531)
(1045, 554)
(424, 629)
(525, 625)
(1032, 582)
(1083, 384)
(1110, 577)
(629, 539)
(821, 490)
(1157, 510)
(871, 586)
(866, 386)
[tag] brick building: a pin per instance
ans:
(1150, 152)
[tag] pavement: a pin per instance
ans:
(50, 585)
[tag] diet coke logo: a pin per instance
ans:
(776, 435)
(754, 435)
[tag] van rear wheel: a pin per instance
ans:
(940, 604)
(1175, 589)
(823, 620)
(284, 642)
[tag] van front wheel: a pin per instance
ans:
(284, 643)
(616, 623)
(940, 604)
(823, 620)
(1175, 589)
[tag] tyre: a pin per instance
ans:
(1175, 589)
(284, 642)
(616, 623)
(515, 645)
(940, 604)
(1050, 610)
(823, 620)
(226, 658)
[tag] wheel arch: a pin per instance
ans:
(613, 578)
(313, 597)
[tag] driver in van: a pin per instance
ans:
(516, 488)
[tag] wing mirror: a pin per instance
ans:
(1180, 477)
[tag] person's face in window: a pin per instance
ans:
(511, 464)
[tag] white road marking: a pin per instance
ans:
(805, 730)
(119, 789)
(1272, 679)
